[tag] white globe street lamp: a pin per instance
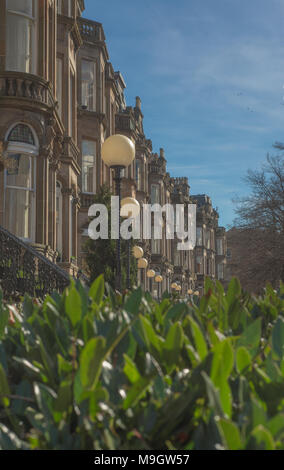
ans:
(138, 252)
(118, 152)
(151, 273)
(142, 263)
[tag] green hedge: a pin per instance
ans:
(92, 370)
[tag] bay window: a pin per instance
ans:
(88, 85)
(20, 36)
(20, 183)
(88, 166)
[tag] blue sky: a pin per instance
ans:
(210, 75)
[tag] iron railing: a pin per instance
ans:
(25, 271)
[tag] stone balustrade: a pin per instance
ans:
(23, 85)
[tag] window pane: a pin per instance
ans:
(58, 218)
(88, 84)
(19, 172)
(199, 236)
(18, 212)
(59, 7)
(155, 194)
(138, 175)
(220, 271)
(88, 167)
(22, 6)
(220, 247)
(21, 133)
(19, 43)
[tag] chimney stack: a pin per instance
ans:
(138, 102)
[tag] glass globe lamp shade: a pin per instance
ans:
(178, 288)
(151, 273)
(118, 151)
(130, 208)
(197, 293)
(142, 263)
(159, 278)
(138, 252)
(190, 291)
(174, 285)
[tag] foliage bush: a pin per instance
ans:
(92, 371)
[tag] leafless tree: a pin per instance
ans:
(258, 234)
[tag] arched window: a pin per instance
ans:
(20, 35)
(20, 182)
(59, 219)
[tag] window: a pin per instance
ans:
(20, 36)
(59, 7)
(59, 218)
(72, 104)
(155, 194)
(176, 258)
(69, 12)
(21, 133)
(220, 250)
(199, 240)
(220, 271)
(207, 239)
(59, 90)
(88, 166)
(199, 267)
(20, 183)
(138, 174)
(156, 246)
(88, 90)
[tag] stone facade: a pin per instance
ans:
(60, 98)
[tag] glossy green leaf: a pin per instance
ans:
(262, 439)
(131, 370)
(97, 290)
(73, 305)
(91, 360)
(4, 388)
(199, 339)
(278, 338)
(250, 338)
(243, 360)
(173, 344)
(231, 434)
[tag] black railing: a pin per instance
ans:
(25, 271)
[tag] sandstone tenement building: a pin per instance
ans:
(60, 98)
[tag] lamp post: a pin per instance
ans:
(179, 288)
(118, 152)
(142, 264)
(159, 280)
(151, 274)
(130, 208)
